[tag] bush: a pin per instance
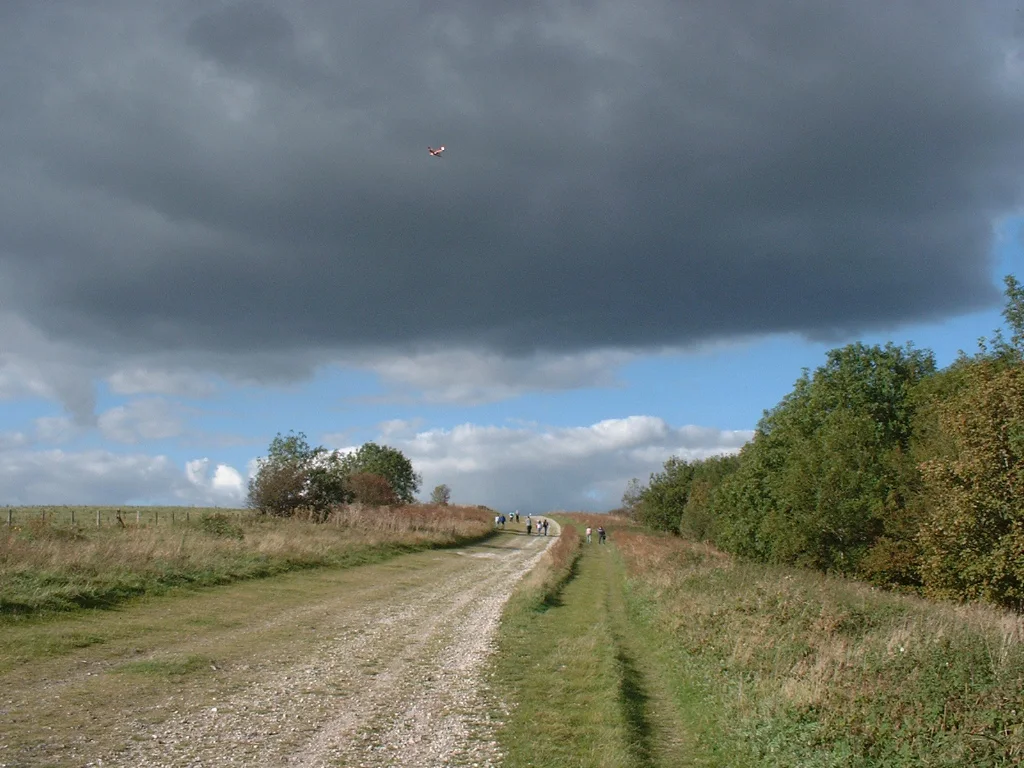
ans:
(372, 490)
(295, 475)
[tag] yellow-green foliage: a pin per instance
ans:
(973, 539)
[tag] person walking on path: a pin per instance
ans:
(601, 534)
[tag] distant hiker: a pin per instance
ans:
(600, 535)
(529, 526)
(545, 527)
(497, 520)
(589, 531)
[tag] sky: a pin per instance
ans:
(219, 222)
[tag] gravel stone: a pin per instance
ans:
(395, 683)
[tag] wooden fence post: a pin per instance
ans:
(97, 518)
(156, 517)
(10, 517)
(72, 515)
(138, 517)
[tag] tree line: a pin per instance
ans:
(878, 465)
(295, 476)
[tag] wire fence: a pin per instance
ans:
(107, 516)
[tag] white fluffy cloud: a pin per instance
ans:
(222, 484)
(534, 468)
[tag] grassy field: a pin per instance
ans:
(48, 563)
(658, 652)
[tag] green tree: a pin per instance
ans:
(661, 502)
(737, 507)
(1009, 352)
(441, 495)
(632, 498)
(968, 445)
(697, 520)
(1013, 313)
(827, 468)
(294, 476)
(389, 463)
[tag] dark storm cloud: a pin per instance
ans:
(241, 34)
(195, 177)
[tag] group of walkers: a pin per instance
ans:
(542, 526)
(500, 520)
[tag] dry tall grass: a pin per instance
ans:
(47, 565)
(891, 678)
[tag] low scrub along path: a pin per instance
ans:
(380, 665)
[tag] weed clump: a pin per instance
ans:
(41, 529)
(220, 525)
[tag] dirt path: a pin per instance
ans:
(373, 666)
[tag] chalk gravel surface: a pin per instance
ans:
(398, 680)
(401, 685)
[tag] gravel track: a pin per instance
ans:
(394, 678)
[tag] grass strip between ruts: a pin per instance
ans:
(583, 688)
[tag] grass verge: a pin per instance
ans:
(800, 669)
(660, 652)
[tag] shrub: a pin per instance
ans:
(372, 489)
